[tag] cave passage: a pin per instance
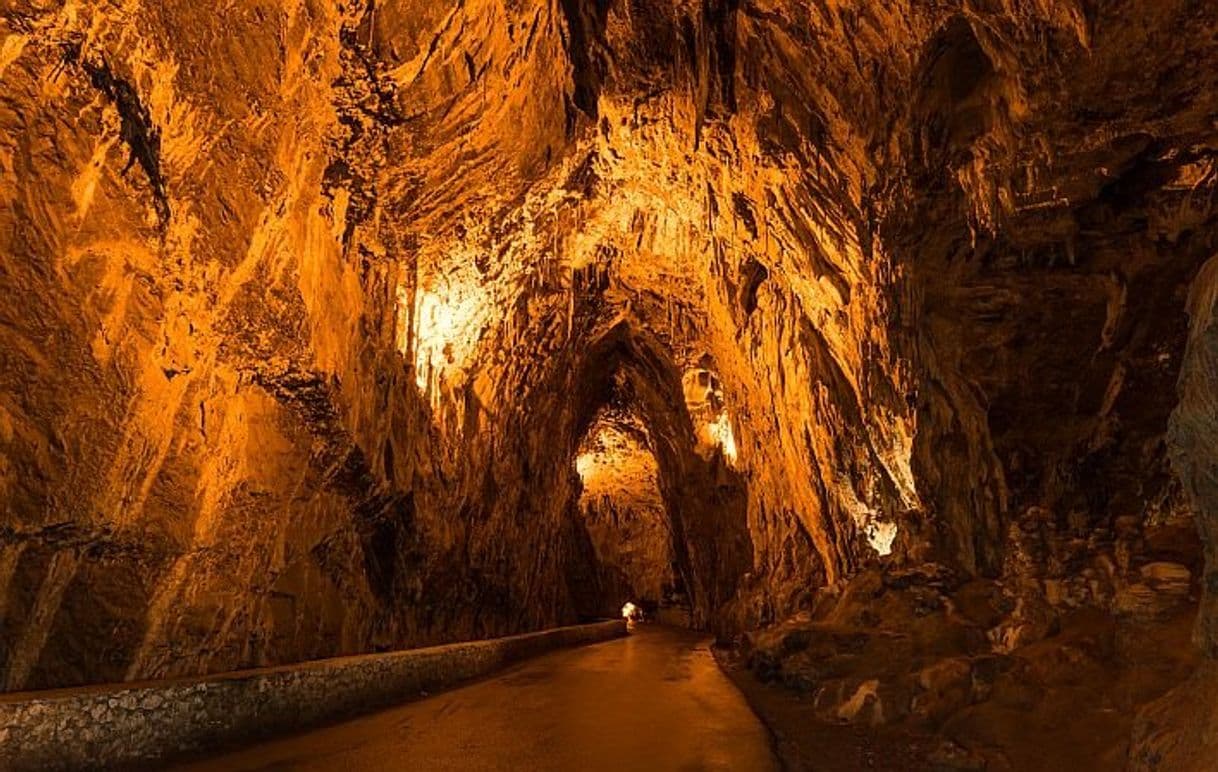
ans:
(655, 700)
(627, 520)
(665, 512)
(867, 346)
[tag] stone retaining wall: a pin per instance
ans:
(137, 724)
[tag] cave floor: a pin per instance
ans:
(655, 700)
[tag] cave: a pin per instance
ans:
(626, 520)
(868, 348)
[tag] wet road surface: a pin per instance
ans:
(653, 701)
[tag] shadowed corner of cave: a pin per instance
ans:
(609, 384)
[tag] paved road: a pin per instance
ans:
(654, 701)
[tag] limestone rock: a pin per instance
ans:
(1169, 578)
(1176, 732)
(951, 757)
(1032, 620)
(308, 312)
(946, 687)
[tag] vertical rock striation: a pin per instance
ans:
(307, 309)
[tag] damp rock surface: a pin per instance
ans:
(308, 308)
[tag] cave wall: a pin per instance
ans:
(216, 453)
(1192, 436)
(304, 303)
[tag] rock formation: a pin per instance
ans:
(623, 511)
(307, 310)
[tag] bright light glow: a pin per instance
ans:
(704, 400)
(721, 432)
(630, 611)
(449, 319)
(881, 536)
(717, 433)
(585, 466)
(612, 458)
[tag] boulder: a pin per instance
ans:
(945, 687)
(1179, 731)
(1032, 620)
(1170, 578)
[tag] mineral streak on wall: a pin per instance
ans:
(306, 308)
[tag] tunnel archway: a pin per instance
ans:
(705, 500)
(624, 513)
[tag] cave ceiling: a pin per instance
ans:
(309, 306)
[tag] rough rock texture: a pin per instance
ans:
(306, 309)
(1180, 730)
(623, 510)
(1176, 732)
(997, 675)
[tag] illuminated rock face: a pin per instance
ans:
(306, 308)
(623, 510)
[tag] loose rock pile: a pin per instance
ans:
(927, 650)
